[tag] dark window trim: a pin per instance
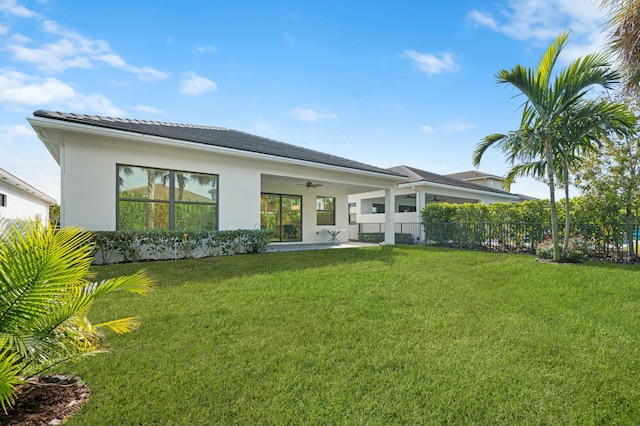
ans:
(171, 201)
(280, 239)
(3, 200)
(333, 216)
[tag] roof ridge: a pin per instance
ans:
(106, 118)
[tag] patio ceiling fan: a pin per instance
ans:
(310, 184)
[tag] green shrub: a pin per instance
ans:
(579, 250)
(45, 294)
(133, 246)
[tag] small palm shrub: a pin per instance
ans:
(579, 250)
(45, 294)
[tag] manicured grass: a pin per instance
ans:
(382, 335)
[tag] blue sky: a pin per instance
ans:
(385, 83)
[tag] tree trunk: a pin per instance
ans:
(629, 230)
(552, 202)
(567, 218)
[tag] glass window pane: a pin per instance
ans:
(190, 217)
(270, 214)
(325, 207)
(291, 218)
(196, 187)
(143, 182)
(141, 215)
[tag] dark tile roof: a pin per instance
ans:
(215, 136)
(473, 174)
(422, 175)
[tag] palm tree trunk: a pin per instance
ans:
(567, 218)
(552, 202)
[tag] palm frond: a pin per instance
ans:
(549, 59)
(9, 378)
(485, 144)
(121, 326)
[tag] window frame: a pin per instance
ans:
(3, 200)
(378, 208)
(332, 211)
(171, 201)
(353, 215)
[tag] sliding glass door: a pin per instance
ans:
(282, 214)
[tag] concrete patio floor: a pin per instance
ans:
(273, 248)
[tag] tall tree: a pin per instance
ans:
(624, 37)
(551, 105)
(614, 173)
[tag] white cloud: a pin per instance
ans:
(147, 73)
(112, 60)
(194, 85)
(432, 64)
(12, 7)
(16, 131)
(543, 20)
(427, 130)
(24, 90)
(263, 127)
(72, 50)
(149, 110)
(55, 57)
(308, 114)
(482, 19)
(456, 126)
(205, 49)
(95, 102)
(3, 29)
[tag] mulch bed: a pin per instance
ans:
(46, 400)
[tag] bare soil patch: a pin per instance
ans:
(46, 400)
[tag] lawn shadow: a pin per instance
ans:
(228, 267)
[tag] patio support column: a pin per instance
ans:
(420, 203)
(389, 216)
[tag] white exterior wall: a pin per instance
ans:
(89, 193)
(89, 182)
(22, 205)
(365, 200)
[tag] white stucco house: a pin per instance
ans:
(119, 173)
(19, 200)
(487, 179)
(367, 211)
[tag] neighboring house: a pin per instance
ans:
(489, 180)
(367, 209)
(120, 173)
(19, 200)
(480, 178)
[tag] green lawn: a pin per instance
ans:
(380, 335)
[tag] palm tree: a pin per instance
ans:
(547, 113)
(44, 298)
(624, 36)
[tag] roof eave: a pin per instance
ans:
(40, 124)
(507, 196)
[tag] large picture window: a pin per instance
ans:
(326, 210)
(150, 198)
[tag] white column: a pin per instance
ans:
(420, 203)
(389, 216)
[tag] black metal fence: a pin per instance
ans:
(609, 242)
(405, 232)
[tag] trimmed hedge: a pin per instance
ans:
(135, 246)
